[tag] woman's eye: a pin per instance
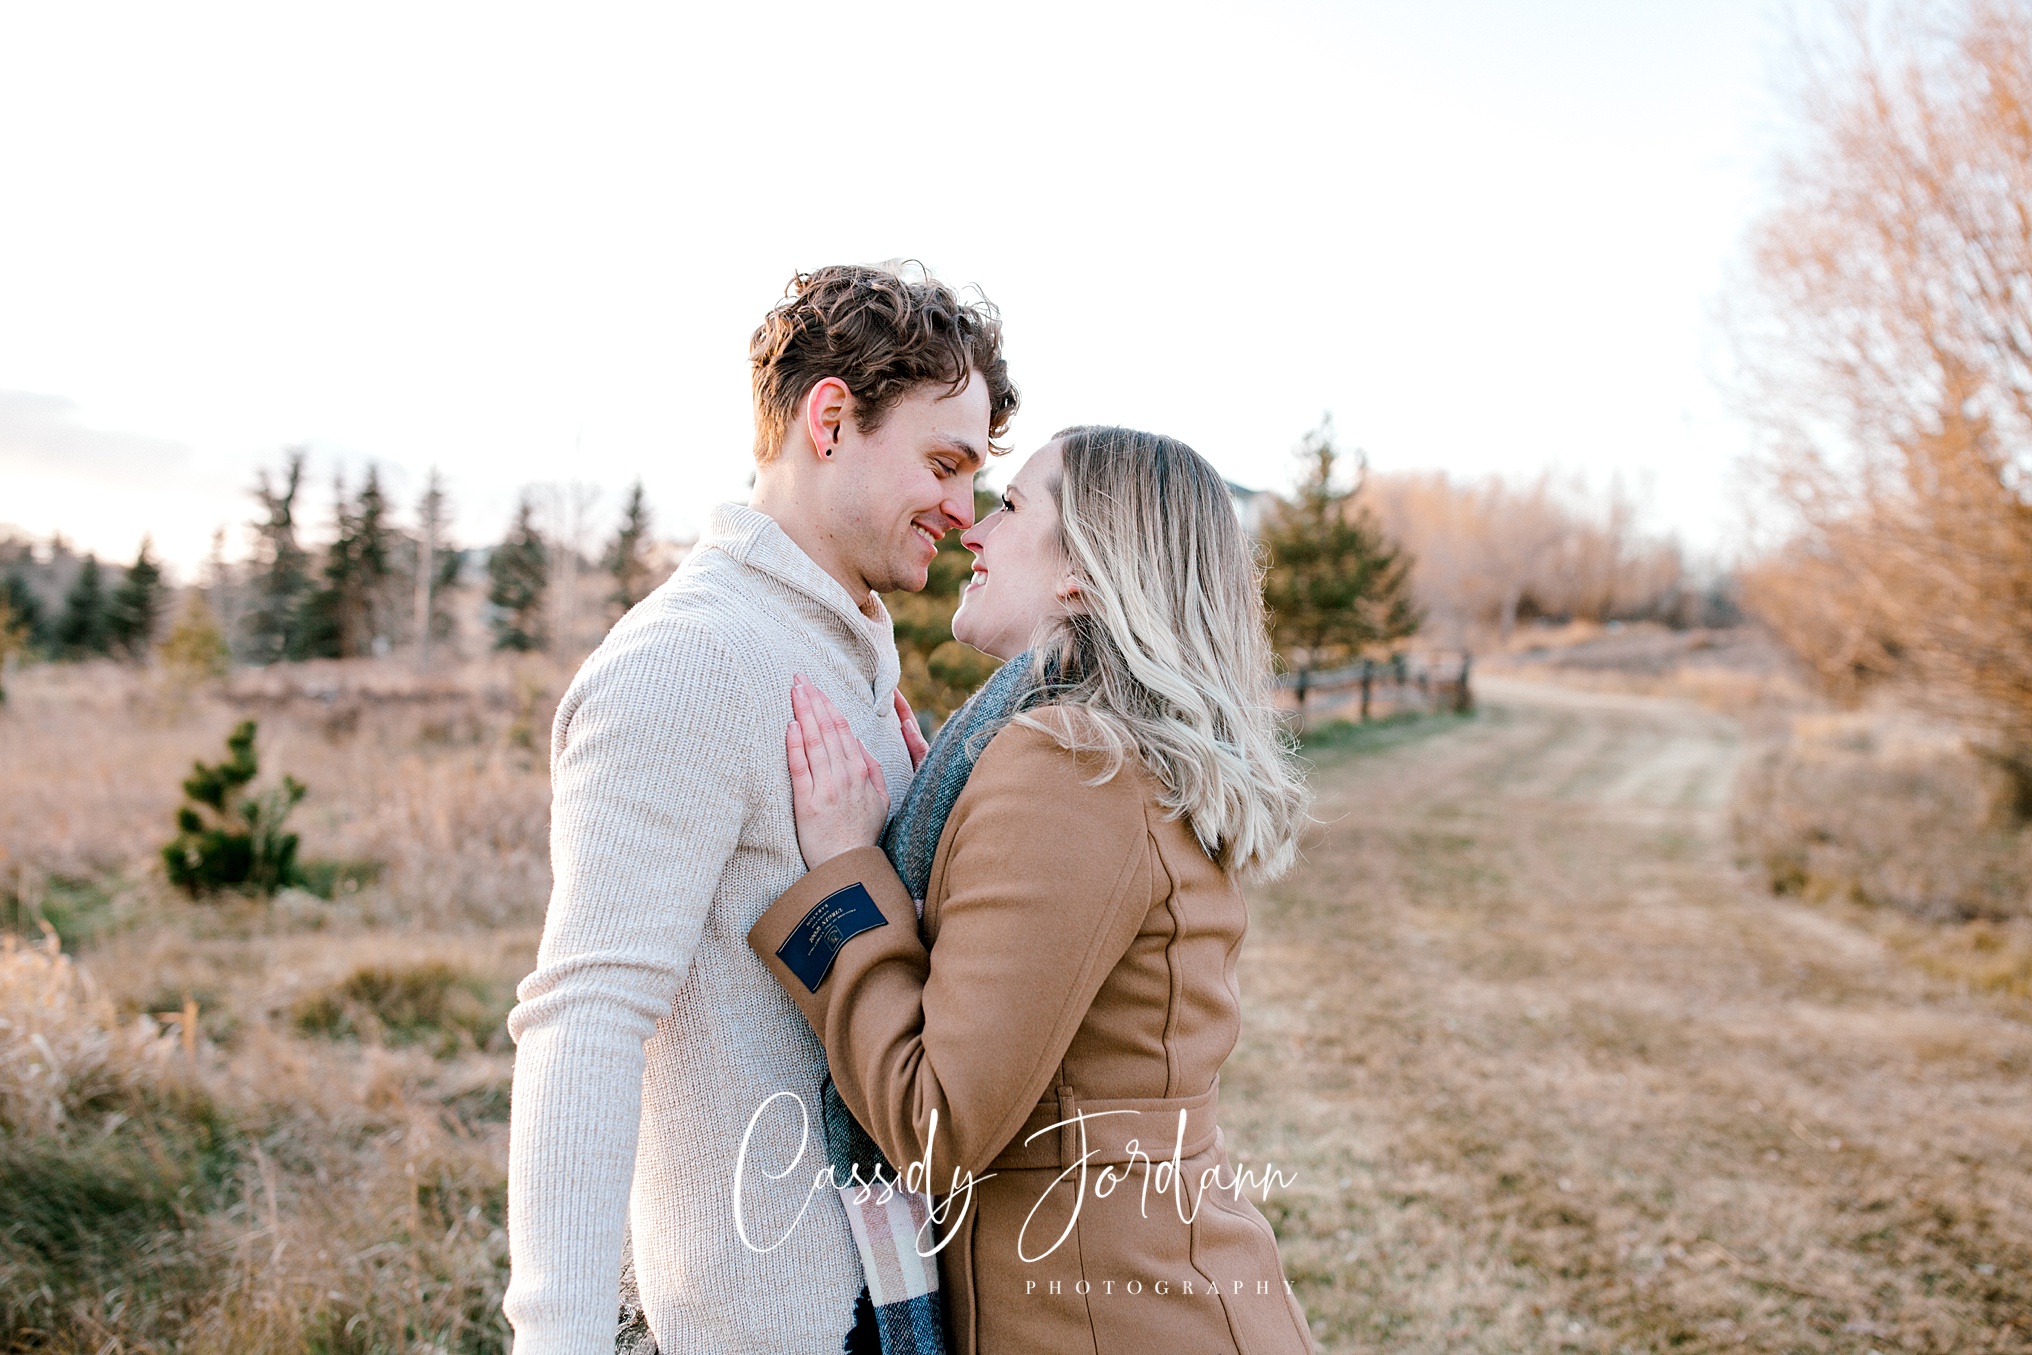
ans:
(1007, 506)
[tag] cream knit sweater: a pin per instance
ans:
(649, 1034)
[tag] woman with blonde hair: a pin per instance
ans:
(1026, 997)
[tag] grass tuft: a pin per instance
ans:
(433, 1004)
(110, 1157)
(1880, 809)
(78, 908)
(335, 879)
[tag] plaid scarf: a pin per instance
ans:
(903, 1285)
(913, 833)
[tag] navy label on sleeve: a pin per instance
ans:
(833, 921)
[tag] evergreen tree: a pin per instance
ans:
(274, 621)
(81, 630)
(373, 548)
(627, 558)
(326, 602)
(136, 607)
(517, 575)
(352, 606)
(227, 838)
(1336, 586)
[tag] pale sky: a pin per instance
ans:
(529, 244)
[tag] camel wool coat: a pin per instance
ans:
(1062, 1009)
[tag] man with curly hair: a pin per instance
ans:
(653, 1047)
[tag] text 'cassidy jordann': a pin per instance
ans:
(1163, 1177)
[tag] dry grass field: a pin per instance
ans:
(344, 1189)
(1553, 1069)
(1556, 1074)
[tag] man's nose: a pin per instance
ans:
(960, 508)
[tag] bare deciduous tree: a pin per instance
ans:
(1886, 344)
(434, 569)
(566, 512)
(1490, 552)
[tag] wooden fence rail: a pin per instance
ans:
(1434, 683)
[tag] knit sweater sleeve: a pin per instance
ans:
(654, 760)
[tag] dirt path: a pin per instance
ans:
(1553, 1076)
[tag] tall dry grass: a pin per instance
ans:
(1895, 819)
(321, 1166)
(1885, 807)
(110, 1151)
(63, 1049)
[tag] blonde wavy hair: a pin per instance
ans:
(1169, 656)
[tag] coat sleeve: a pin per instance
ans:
(653, 759)
(1048, 882)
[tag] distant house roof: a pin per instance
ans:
(1250, 505)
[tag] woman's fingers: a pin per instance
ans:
(800, 764)
(838, 792)
(845, 768)
(805, 721)
(811, 726)
(913, 737)
(874, 770)
(857, 771)
(836, 760)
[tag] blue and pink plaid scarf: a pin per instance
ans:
(893, 1228)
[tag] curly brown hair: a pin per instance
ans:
(884, 331)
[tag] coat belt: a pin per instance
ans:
(1115, 1131)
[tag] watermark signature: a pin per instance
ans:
(1162, 1177)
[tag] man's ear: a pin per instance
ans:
(826, 411)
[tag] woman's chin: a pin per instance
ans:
(964, 633)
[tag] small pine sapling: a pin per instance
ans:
(243, 847)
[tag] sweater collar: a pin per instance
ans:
(756, 540)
